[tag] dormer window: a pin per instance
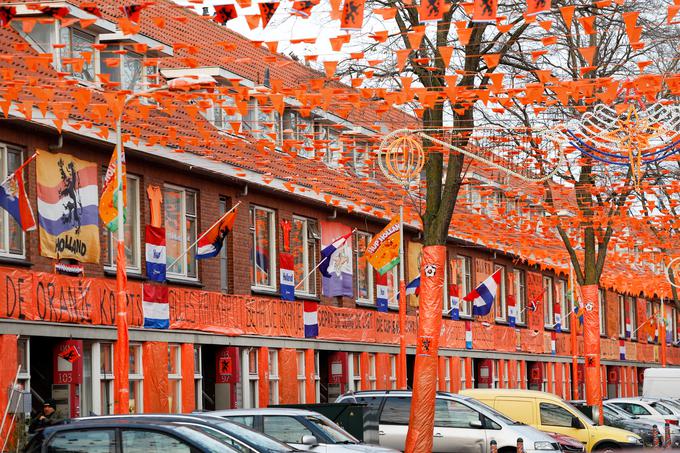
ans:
(299, 130)
(77, 55)
(127, 68)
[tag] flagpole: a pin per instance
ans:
(662, 334)
(574, 339)
(203, 235)
(21, 167)
(402, 377)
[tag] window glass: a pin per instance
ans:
(180, 230)
(362, 267)
(42, 35)
(554, 415)
(78, 46)
(83, 441)
(244, 420)
(452, 414)
(224, 260)
(372, 404)
(142, 441)
(396, 411)
(336, 434)
(304, 247)
(133, 72)
(661, 408)
(11, 236)
(285, 429)
(464, 280)
(636, 409)
(263, 248)
(520, 294)
(132, 256)
(603, 314)
(548, 315)
(500, 294)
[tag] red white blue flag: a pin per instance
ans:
(155, 307)
(468, 334)
(382, 297)
(310, 317)
(483, 296)
(155, 253)
(211, 241)
(287, 265)
(13, 199)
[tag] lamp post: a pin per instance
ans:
(121, 350)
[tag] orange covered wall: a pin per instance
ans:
(288, 377)
(188, 388)
(155, 363)
(8, 371)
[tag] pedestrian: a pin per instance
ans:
(47, 417)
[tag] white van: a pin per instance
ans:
(661, 383)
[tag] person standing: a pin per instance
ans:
(47, 417)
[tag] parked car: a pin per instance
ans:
(300, 428)
(618, 418)
(244, 439)
(645, 408)
(462, 424)
(550, 413)
(124, 436)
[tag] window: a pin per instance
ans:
(42, 36)
(136, 379)
(548, 303)
(304, 246)
(263, 248)
(356, 371)
(259, 121)
(224, 261)
(298, 132)
(464, 277)
(180, 231)
(632, 316)
(565, 303)
(127, 68)
(371, 371)
(634, 409)
(392, 277)
(603, 314)
(396, 411)
(327, 141)
(77, 55)
(105, 352)
(132, 236)
(222, 112)
(452, 414)
(663, 410)
(83, 441)
(500, 306)
(23, 354)
(554, 415)
(622, 316)
(11, 235)
(285, 429)
(198, 378)
(273, 376)
(520, 294)
(174, 378)
(362, 269)
(673, 325)
(301, 377)
(251, 396)
(393, 371)
(145, 441)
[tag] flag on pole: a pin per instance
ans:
(210, 242)
(108, 203)
(454, 301)
(155, 253)
(622, 349)
(553, 342)
(483, 296)
(14, 200)
(336, 267)
(310, 317)
(155, 307)
(383, 250)
(413, 288)
(287, 274)
(468, 334)
(512, 310)
(382, 297)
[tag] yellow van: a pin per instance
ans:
(550, 413)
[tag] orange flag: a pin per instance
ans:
(352, 17)
(537, 6)
(431, 10)
(267, 11)
(485, 11)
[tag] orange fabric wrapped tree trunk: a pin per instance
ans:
(591, 344)
(421, 424)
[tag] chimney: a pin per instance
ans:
(205, 11)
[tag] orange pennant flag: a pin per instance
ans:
(431, 10)
(492, 60)
(588, 54)
(445, 52)
(402, 56)
(588, 24)
(267, 11)
(568, 14)
(330, 67)
(485, 11)
(352, 17)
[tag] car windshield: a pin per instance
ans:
(661, 408)
(251, 437)
(209, 443)
(488, 410)
(575, 411)
(333, 431)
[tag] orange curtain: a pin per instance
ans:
(512, 373)
(188, 387)
(8, 371)
(121, 384)
(421, 424)
(591, 344)
(288, 376)
(454, 370)
(155, 365)
(365, 383)
(382, 371)
(310, 382)
(441, 374)
(468, 373)
(550, 372)
(501, 373)
(567, 381)
(523, 374)
(263, 376)
(559, 382)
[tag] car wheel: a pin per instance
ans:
(607, 448)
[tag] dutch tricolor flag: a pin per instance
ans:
(310, 316)
(483, 296)
(622, 350)
(155, 307)
(468, 334)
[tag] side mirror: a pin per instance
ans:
(476, 424)
(576, 423)
(309, 440)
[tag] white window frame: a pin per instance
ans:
(138, 377)
(502, 303)
(310, 238)
(622, 316)
(24, 376)
(392, 299)
(393, 371)
(372, 379)
(250, 396)
(176, 377)
(603, 316)
(465, 275)
(198, 378)
(519, 280)
(134, 266)
(369, 269)
(548, 303)
(144, 82)
(99, 379)
(184, 262)
(354, 372)
(301, 378)
(95, 53)
(632, 315)
(217, 104)
(565, 304)
(5, 149)
(272, 248)
(273, 364)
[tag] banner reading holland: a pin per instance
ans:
(68, 207)
(383, 250)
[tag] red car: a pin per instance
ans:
(567, 443)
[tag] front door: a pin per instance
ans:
(557, 419)
(458, 428)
